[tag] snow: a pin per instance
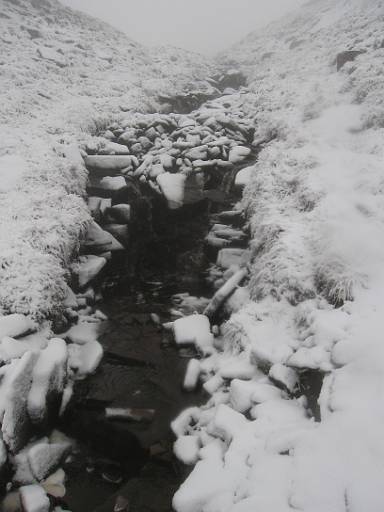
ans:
(187, 449)
(85, 358)
(48, 380)
(12, 169)
(193, 330)
(191, 375)
(15, 325)
(15, 388)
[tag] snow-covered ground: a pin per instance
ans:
(315, 206)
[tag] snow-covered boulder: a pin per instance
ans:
(15, 325)
(244, 176)
(12, 169)
(34, 499)
(83, 332)
(45, 457)
(194, 330)
(186, 449)
(84, 359)
(108, 165)
(15, 387)
(48, 380)
(238, 154)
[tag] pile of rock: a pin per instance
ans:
(176, 155)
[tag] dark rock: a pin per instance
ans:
(347, 56)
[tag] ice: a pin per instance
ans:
(34, 499)
(48, 380)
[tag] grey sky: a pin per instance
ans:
(206, 26)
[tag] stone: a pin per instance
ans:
(129, 414)
(34, 499)
(172, 186)
(244, 176)
(347, 56)
(16, 425)
(84, 359)
(238, 154)
(48, 380)
(113, 184)
(120, 232)
(192, 375)
(89, 267)
(107, 165)
(98, 240)
(113, 148)
(16, 325)
(120, 213)
(44, 457)
(194, 330)
(228, 257)
(285, 377)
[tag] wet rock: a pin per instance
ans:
(11, 502)
(121, 213)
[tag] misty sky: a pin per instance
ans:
(206, 26)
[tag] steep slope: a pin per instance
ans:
(272, 439)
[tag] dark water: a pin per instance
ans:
(141, 368)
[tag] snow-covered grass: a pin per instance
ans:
(64, 77)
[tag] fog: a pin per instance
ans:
(206, 26)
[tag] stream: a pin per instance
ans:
(142, 368)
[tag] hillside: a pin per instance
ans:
(297, 425)
(64, 75)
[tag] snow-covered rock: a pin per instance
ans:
(48, 380)
(194, 330)
(15, 325)
(89, 267)
(34, 499)
(173, 188)
(85, 358)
